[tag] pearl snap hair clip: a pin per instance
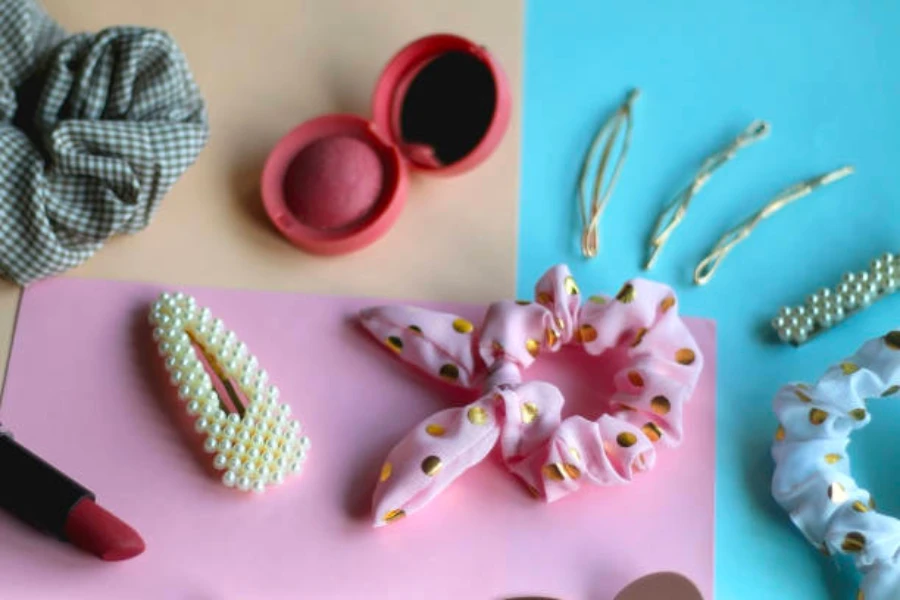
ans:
(812, 479)
(253, 437)
(828, 307)
(675, 211)
(707, 267)
(605, 138)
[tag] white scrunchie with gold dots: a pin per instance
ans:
(812, 479)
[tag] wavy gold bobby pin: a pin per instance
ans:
(830, 306)
(674, 212)
(606, 137)
(706, 268)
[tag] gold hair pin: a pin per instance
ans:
(674, 212)
(828, 307)
(605, 139)
(707, 267)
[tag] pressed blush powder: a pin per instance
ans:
(333, 183)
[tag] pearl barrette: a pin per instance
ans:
(828, 307)
(253, 439)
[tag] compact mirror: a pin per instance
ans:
(448, 108)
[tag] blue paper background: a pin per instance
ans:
(826, 74)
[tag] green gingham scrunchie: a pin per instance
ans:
(94, 130)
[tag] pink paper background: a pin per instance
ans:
(84, 391)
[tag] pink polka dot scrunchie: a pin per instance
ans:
(553, 457)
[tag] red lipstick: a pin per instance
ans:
(45, 498)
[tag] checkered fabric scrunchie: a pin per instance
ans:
(94, 130)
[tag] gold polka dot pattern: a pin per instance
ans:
(435, 430)
(462, 326)
(627, 294)
(394, 343)
(626, 439)
(449, 372)
(431, 465)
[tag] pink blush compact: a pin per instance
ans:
(337, 183)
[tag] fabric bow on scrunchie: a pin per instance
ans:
(553, 457)
(94, 129)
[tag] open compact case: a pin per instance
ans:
(337, 183)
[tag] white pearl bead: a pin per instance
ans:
(296, 467)
(184, 392)
(220, 462)
(273, 392)
(193, 407)
(215, 429)
(259, 487)
(254, 453)
(229, 478)
(210, 445)
(234, 463)
(201, 424)
(305, 443)
(849, 277)
(224, 445)
(244, 483)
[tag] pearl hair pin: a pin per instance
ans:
(828, 307)
(254, 440)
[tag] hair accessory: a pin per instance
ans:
(95, 129)
(674, 212)
(812, 480)
(552, 456)
(255, 441)
(707, 267)
(828, 307)
(607, 136)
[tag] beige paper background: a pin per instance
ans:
(265, 66)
